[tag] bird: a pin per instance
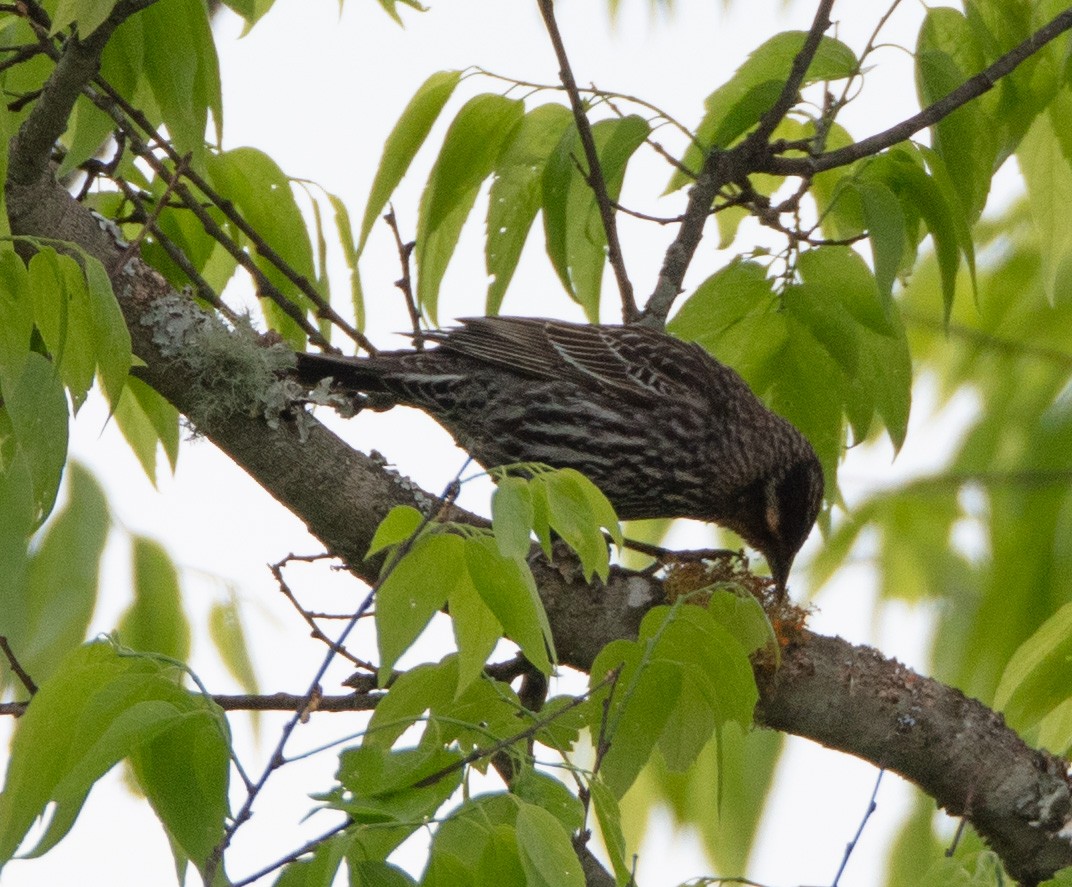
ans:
(659, 425)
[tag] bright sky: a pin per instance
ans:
(318, 92)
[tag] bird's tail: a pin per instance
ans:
(356, 373)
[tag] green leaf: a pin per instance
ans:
(476, 630)
(507, 587)
(382, 786)
(229, 637)
(646, 694)
(946, 55)
(886, 231)
(403, 143)
(470, 151)
(416, 589)
(1049, 188)
(111, 339)
(146, 420)
(412, 694)
(609, 817)
(1039, 674)
(683, 678)
(262, 193)
(318, 870)
(473, 845)
(550, 794)
(350, 254)
(62, 316)
(547, 855)
(578, 512)
(61, 581)
(155, 621)
(733, 316)
(37, 408)
(517, 193)
(927, 199)
(16, 315)
(17, 523)
(98, 709)
(512, 517)
(737, 105)
(88, 14)
(400, 524)
(184, 773)
(182, 70)
(573, 227)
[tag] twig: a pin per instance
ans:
(871, 807)
(595, 173)
(315, 631)
(478, 754)
(313, 692)
(150, 222)
(970, 89)
(16, 666)
(721, 168)
(112, 102)
(405, 282)
(307, 847)
(200, 285)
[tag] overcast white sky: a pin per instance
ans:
(318, 92)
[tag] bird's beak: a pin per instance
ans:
(779, 568)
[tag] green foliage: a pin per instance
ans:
(262, 193)
(48, 598)
(470, 153)
(827, 352)
(576, 241)
(680, 682)
(737, 105)
(99, 708)
(155, 621)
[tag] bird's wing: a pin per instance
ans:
(636, 361)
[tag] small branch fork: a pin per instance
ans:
(756, 154)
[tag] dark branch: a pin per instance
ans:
(596, 181)
(981, 83)
(721, 168)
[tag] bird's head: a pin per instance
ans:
(777, 512)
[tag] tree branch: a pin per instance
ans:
(721, 168)
(981, 83)
(596, 181)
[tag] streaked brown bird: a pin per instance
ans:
(663, 428)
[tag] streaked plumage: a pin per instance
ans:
(662, 427)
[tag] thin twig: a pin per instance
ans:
(313, 692)
(150, 222)
(595, 178)
(16, 666)
(201, 286)
(405, 282)
(314, 629)
(871, 807)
